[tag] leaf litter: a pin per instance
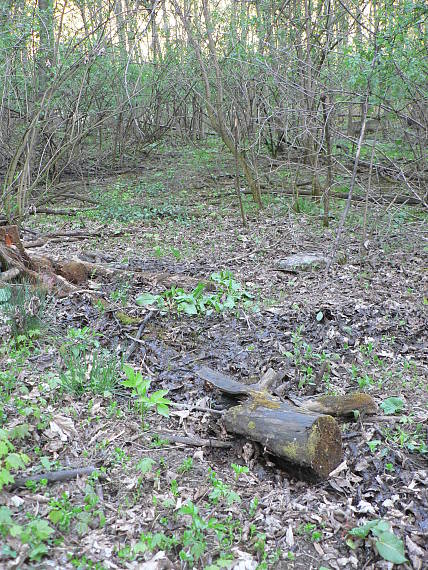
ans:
(367, 323)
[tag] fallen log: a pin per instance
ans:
(341, 406)
(9, 237)
(308, 444)
(162, 278)
(54, 212)
(388, 199)
(66, 275)
(12, 260)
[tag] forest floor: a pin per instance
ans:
(156, 502)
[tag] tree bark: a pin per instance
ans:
(308, 444)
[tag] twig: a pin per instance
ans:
(54, 476)
(137, 337)
(54, 212)
(197, 408)
(194, 441)
(43, 241)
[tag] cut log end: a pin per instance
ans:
(324, 446)
(73, 271)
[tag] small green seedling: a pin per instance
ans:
(239, 469)
(374, 444)
(140, 387)
(389, 546)
(186, 466)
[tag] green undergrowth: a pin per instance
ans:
(230, 295)
(203, 529)
(22, 307)
(88, 384)
(128, 202)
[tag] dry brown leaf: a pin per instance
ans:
(61, 426)
(159, 562)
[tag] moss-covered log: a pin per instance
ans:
(309, 443)
(342, 405)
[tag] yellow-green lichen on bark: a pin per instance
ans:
(346, 404)
(313, 442)
(291, 450)
(234, 412)
(263, 400)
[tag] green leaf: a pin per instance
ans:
(5, 478)
(16, 461)
(158, 396)
(229, 303)
(129, 371)
(198, 290)
(163, 410)
(374, 444)
(381, 527)
(7, 552)
(39, 529)
(320, 316)
(145, 465)
(19, 432)
(363, 530)
(188, 307)
(391, 548)
(392, 405)
(198, 548)
(46, 464)
(38, 552)
(4, 448)
(5, 516)
(55, 516)
(16, 530)
(147, 299)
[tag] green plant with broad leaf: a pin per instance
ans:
(36, 534)
(392, 405)
(140, 391)
(62, 512)
(221, 490)
(374, 444)
(145, 465)
(386, 543)
(11, 460)
(229, 295)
